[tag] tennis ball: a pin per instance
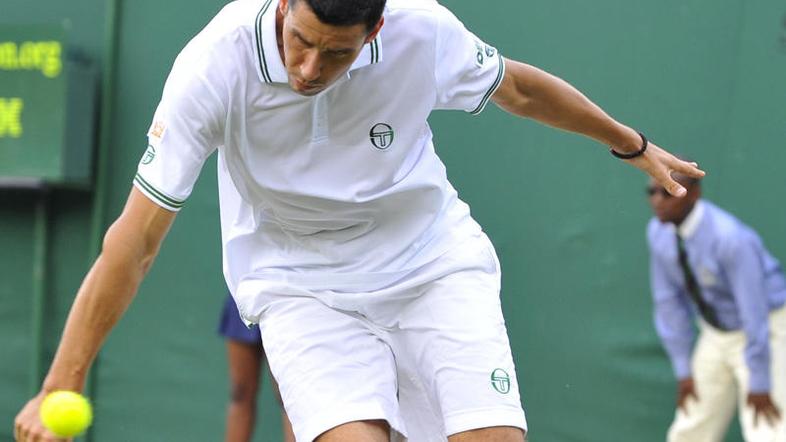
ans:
(66, 413)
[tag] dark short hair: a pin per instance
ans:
(346, 12)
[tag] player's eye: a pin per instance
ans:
(300, 42)
(338, 54)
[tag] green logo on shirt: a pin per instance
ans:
(150, 155)
(381, 136)
(500, 380)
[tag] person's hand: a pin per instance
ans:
(685, 389)
(763, 406)
(660, 165)
(28, 426)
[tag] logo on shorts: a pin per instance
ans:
(381, 136)
(150, 155)
(500, 380)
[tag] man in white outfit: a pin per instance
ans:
(376, 293)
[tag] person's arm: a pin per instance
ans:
(529, 92)
(674, 324)
(743, 263)
(671, 311)
(673, 320)
(129, 248)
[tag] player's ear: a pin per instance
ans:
(283, 7)
(373, 34)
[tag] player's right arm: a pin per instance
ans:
(129, 248)
(188, 126)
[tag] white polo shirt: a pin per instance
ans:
(342, 191)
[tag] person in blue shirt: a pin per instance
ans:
(710, 269)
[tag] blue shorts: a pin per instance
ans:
(232, 327)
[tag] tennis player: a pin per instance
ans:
(376, 293)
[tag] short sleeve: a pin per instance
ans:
(468, 71)
(187, 127)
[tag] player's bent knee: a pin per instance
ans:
(490, 434)
(366, 431)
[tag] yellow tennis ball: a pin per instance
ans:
(66, 413)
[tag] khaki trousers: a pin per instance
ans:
(721, 379)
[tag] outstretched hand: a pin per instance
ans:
(660, 165)
(28, 426)
(763, 406)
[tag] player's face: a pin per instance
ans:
(317, 54)
(670, 209)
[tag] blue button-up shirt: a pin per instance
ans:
(738, 277)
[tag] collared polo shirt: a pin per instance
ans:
(341, 191)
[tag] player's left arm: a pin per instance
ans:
(529, 92)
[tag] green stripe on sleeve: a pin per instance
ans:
(493, 88)
(167, 201)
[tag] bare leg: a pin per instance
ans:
(245, 363)
(490, 434)
(286, 426)
(366, 431)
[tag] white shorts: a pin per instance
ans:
(432, 357)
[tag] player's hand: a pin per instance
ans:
(28, 426)
(685, 389)
(763, 406)
(660, 165)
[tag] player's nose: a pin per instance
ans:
(311, 67)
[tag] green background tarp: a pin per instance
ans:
(706, 78)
